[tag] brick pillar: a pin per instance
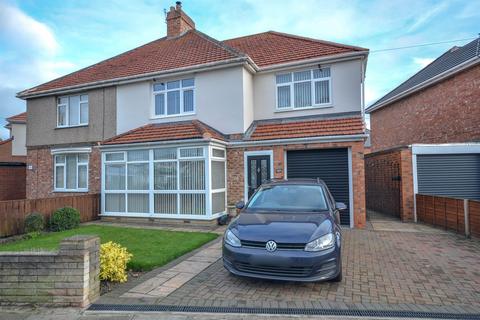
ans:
(406, 192)
(89, 247)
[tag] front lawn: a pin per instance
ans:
(150, 248)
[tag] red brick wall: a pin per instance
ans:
(446, 112)
(235, 169)
(6, 152)
(40, 178)
(12, 182)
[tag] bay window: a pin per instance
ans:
(166, 182)
(174, 97)
(72, 111)
(71, 172)
(303, 89)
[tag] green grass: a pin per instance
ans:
(150, 248)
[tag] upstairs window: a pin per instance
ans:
(72, 111)
(174, 97)
(303, 89)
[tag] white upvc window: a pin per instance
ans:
(72, 111)
(165, 182)
(174, 98)
(303, 89)
(71, 172)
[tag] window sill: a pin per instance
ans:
(173, 116)
(68, 127)
(70, 191)
(326, 106)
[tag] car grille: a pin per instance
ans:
(280, 246)
(274, 270)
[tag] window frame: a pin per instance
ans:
(67, 110)
(64, 165)
(205, 158)
(165, 91)
(312, 80)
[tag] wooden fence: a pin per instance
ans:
(13, 212)
(459, 215)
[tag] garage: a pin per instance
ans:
(452, 175)
(330, 165)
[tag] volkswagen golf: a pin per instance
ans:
(289, 230)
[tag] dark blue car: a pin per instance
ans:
(288, 230)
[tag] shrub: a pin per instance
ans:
(113, 262)
(34, 222)
(64, 219)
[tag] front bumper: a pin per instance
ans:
(286, 265)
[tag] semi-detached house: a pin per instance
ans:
(185, 126)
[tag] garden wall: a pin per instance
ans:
(13, 212)
(68, 277)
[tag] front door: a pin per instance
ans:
(258, 172)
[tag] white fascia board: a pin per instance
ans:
(71, 150)
(345, 138)
(116, 147)
(446, 148)
(326, 59)
(467, 64)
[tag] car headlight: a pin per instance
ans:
(324, 242)
(232, 239)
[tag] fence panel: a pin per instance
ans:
(474, 217)
(13, 212)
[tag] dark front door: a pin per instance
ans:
(258, 171)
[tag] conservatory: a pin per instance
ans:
(182, 182)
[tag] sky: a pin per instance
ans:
(42, 40)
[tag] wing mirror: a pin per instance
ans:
(240, 205)
(340, 206)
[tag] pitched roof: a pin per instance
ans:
(18, 118)
(311, 128)
(194, 49)
(271, 48)
(451, 59)
(166, 131)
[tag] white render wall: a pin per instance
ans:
(19, 133)
(230, 99)
(346, 80)
(219, 100)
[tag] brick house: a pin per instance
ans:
(425, 135)
(185, 126)
(13, 157)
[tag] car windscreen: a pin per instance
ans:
(289, 198)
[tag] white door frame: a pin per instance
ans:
(246, 154)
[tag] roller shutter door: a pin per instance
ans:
(330, 165)
(453, 175)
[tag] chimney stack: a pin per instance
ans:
(178, 21)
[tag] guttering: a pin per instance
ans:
(238, 144)
(326, 59)
(344, 138)
(465, 65)
(446, 148)
(141, 77)
(158, 143)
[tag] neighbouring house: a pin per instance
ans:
(185, 126)
(426, 135)
(13, 157)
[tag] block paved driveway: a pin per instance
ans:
(389, 266)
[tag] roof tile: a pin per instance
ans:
(18, 118)
(304, 129)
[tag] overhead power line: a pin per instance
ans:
(421, 45)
